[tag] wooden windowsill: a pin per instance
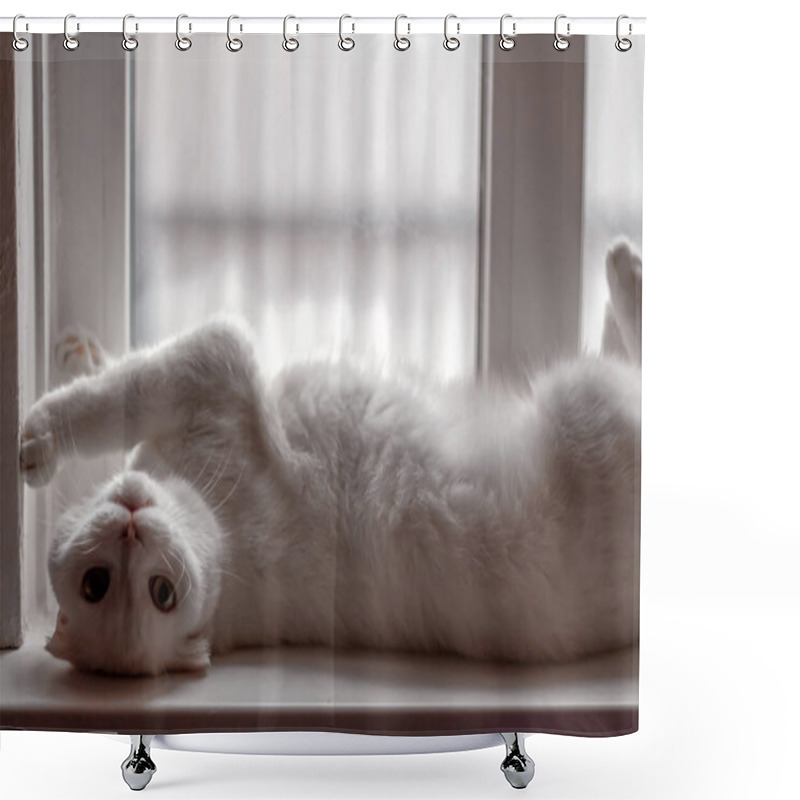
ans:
(318, 689)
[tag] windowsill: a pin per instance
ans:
(292, 688)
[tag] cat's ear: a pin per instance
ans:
(58, 643)
(192, 656)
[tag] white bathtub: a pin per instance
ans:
(320, 743)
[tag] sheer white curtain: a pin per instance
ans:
(331, 198)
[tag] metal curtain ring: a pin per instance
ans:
(346, 42)
(623, 45)
(451, 42)
(560, 42)
(183, 43)
(19, 44)
(70, 42)
(233, 44)
(128, 42)
(507, 42)
(290, 44)
(401, 42)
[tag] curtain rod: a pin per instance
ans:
(578, 26)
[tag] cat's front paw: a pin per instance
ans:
(38, 455)
(78, 352)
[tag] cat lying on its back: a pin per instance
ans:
(336, 507)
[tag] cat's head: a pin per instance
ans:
(135, 570)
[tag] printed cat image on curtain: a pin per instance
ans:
(330, 385)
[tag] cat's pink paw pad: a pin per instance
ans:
(38, 457)
(78, 352)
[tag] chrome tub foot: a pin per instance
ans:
(138, 768)
(517, 766)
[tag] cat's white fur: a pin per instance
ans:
(338, 507)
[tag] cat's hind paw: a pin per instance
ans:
(78, 352)
(38, 456)
(624, 276)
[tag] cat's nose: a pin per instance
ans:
(133, 505)
(132, 492)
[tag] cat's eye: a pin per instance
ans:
(163, 593)
(95, 584)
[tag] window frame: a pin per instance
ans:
(531, 263)
(10, 497)
(71, 206)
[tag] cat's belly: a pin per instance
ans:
(516, 594)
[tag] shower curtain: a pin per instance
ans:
(446, 211)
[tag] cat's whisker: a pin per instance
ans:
(196, 480)
(230, 493)
(190, 584)
(220, 468)
(167, 561)
(210, 483)
(221, 571)
(218, 473)
(182, 563)
(87, 550)
(183, 572)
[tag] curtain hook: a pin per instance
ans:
(560, 42)
(19, 44)
(346, 43)
(128, 42)
(623, 45)
(290, 44)
(233, 44)
(507, 42)
(183, 43)
(451, 42)
(401, 42)
(70, 42)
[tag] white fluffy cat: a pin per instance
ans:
(337, 507)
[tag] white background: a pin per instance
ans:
(720, 533)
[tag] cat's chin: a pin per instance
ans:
(195, 662)
(56, 645)
(189, 654)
